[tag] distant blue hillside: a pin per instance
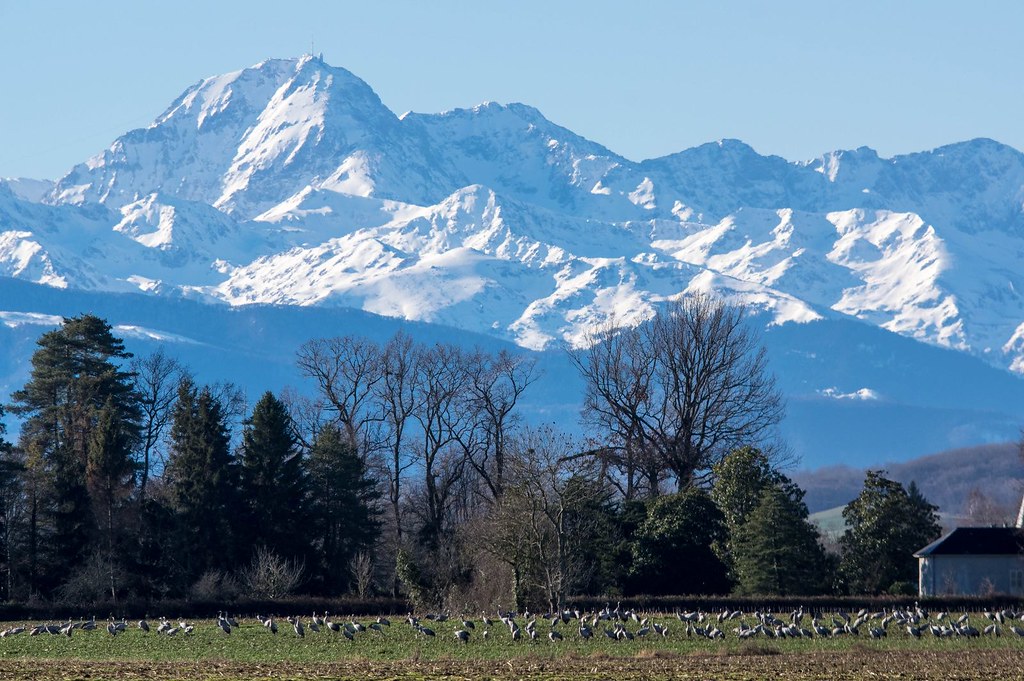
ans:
(929, 399)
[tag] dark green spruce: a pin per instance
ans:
(273, 484)
(202, 483)
(75, 374)
(344, 507)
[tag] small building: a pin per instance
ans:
(973, 561)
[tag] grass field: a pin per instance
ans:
(252, 652)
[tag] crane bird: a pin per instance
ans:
(300, 630)
(462, 635)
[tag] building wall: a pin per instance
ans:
(970, 575)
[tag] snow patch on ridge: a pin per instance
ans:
(15, 319)
(132, 331)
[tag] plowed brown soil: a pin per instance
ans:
(852, 665)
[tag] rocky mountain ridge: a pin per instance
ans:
(290, 183)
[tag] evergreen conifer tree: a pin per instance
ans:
(741, 478)
(75, 373)
(109, 475)
(344, 504)
(273, 481)
(776, 550)
(202, 481)
(11, 507)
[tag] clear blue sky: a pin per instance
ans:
(643, 78)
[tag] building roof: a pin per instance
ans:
(980, 541)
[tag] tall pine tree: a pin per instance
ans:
(12, 504)
(109, 476)
(273, 481)
(202, 481)
(75, 372)
(741, 480)
(343, 506)
(776, 550)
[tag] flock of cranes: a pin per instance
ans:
(617, 624)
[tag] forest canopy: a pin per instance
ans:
(407, 470)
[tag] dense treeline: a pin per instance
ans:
(408, 473)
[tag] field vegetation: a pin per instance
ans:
(252, 651)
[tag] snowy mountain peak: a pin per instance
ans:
(245, 136)
(290, 182)
(848, 162)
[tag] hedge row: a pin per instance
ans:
(133, 609)
(809, 603)
(345, 607)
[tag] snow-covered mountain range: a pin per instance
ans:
(291, 183)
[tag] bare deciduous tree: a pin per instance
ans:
(362, 572)
(495, 382)
(439, 410)
(396, 394)
(233, 403)
(683, 389)
(346, 370)
(443, 419)
(156, 378)
(272, 576)
(980, 510)
(550, 489)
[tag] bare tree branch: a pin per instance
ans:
(680, 391)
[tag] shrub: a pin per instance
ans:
(271, 576)
(215, 585)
